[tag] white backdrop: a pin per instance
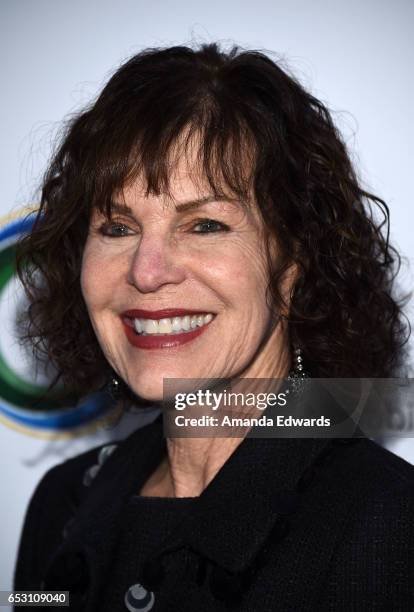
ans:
(357, 56)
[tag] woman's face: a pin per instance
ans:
(190, 272)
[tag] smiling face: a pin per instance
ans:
(176, 287)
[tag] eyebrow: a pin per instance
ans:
(120, 207)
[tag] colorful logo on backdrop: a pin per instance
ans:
(24, 404)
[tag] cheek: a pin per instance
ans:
(240, 277)
(95, 278)
(87, 276)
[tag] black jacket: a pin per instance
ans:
(286, 525)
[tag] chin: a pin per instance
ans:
(150, 392)
(150, 387)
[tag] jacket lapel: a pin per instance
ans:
(229, 523)
(234, 516)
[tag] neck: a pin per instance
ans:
(192, 463)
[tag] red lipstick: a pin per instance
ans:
(161, 341)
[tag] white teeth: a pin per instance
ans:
(138, 326)
(150, 326)
(176, 324)
(165, 326)
(171, 325)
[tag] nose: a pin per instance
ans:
(155, 263)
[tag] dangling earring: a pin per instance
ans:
(297, 376)
(113, 387)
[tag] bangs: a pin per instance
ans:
(218, 149)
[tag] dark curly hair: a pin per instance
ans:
(242, 106)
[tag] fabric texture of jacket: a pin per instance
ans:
(286, 525)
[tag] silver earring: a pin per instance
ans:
(297, 376)
(113, 387)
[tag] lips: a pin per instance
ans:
(160, 341)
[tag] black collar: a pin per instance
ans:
(229, 522)
(233, 517)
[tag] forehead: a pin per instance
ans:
(184, 182)
(187, 183)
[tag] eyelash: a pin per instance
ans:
(106, 228)
(223, 226)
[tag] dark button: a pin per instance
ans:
(138, 599)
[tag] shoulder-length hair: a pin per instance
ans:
(240, 105)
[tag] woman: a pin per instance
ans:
(202, 220)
